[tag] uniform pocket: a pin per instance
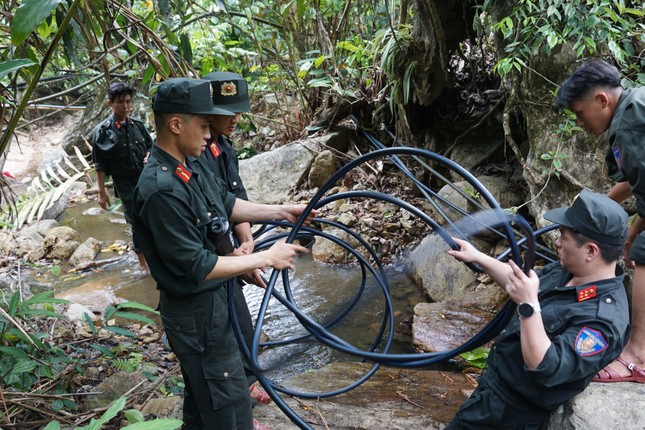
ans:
(182, 333)
(226, 380)
(552, 319)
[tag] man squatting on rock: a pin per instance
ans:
(572, 320)
(176, 202)
(120, 146)
(595, 95)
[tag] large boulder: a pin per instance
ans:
(86, 252)
(441, 327)
(61, 242)
(602, 406)
(439, 274)
(272, 176)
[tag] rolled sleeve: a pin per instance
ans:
(563, 363)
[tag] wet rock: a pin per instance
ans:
(322, 169)
(441, 327)
(440, 275)
(61, 242)
(95, 294)
(601, 407)
(86, 252)
(93, 211)
(391, 399)
(111, 389)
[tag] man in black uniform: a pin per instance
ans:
(120, 145)
(596, 96)
(176, 204)
(572, 320)
(231, 97)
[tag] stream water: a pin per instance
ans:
(321, 291)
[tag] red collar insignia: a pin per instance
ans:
(183, 174)
(214, 149)
(587, 293)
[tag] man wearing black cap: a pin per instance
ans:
(231, 99)
(120, 145)
(572, 320)
(176, 204)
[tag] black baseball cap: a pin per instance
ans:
(596, 216)
(230, 92)
(185, 95)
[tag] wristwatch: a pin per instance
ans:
(528, 309)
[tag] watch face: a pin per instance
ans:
(525, 310)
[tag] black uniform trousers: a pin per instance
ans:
(200, 333)
(493, 406)
(124, 189)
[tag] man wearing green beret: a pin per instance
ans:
(596, 96)
(179, 211)
(572, 320)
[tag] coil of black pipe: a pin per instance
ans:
(487, 216)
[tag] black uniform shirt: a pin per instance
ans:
(222, 160)
(173, 205)
(119, 149)
(626, 134)
(588, 328)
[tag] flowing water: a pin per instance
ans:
(321, 291)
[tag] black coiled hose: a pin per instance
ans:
(481, 212)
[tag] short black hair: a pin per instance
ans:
(119, 88)
(591, 74)
(608, 253)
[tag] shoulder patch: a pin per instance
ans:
(590, 342)
(164, 178)
(617, 156)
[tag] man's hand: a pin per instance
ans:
(246, 248)
(466, 253)
(292, 212)
(254, 277)
(283, 255)
(104, 200)
(522, 288)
